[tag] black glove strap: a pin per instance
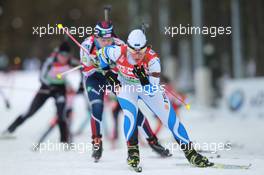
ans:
(140, 73)
(112, 78)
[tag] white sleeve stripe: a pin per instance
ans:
(45, 70)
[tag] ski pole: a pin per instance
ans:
(60, 75)
(187, 106)
(52, 125)
(60, 26)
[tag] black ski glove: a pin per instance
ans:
(112, 78)
(140, 73)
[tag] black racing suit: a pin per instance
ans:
(51, 86)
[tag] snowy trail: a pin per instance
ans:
(16, 156)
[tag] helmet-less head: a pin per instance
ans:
(64, 53)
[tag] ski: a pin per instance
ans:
(7, 136)
(220, 166)
(230, 166)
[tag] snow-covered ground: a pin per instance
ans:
(205, 127)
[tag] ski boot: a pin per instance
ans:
(195, 158)
(133, 158)
(97, 148)
(158, 148)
